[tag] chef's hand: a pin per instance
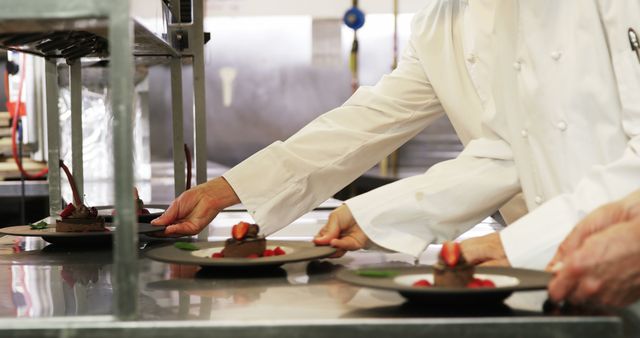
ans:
(195, 208)
(485, 250)
(597, 262)
(341, 232)
(603, 217)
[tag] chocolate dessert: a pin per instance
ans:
(77, 217)
(452, 270)
(244, 241)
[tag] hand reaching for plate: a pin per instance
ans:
(195, 208)
(485, 250)
(341, 232)
(598, 262)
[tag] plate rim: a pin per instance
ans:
(350, 276)
(324, 251)
(147, 229)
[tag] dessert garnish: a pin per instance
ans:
(246, 243)
(39, 226)
(422, 283)
(77, 209)
(376, 273)
(453, 271)
(140, 209)
(76, 216)
(186, 246)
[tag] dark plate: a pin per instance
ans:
(73, 238)
(400, 279)
(156, 210)
(296, 251)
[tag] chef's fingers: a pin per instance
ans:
(348, 243)
(596, 221)
(168, 216)
(184, 228)
(587, 290)
(566, 279)
(330, 231)
(481, 249)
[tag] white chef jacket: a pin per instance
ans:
(542, 97)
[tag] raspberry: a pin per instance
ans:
(422, 283)
(268, 253)
(487, 283)
(475, 283)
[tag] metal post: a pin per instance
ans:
(126, 235)
(199, 107)
(178, 137)
(75, 87)
(53, 135)
(199, 102)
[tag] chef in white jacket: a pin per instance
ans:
(543, 95)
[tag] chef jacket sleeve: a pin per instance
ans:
(532, 240)
(286, 179)
(447, 200)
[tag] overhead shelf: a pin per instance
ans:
(75, 38)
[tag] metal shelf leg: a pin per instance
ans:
(75, 87)
(53, 136)
(178, 134)
(126, 235)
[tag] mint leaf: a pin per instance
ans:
(186, 246)
(376, 273)
(39, 226)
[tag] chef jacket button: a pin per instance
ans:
(556, 55)
(562, 125)
(517, 65)
(471, 58)
(524, 133)
(538, 199)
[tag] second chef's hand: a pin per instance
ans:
(485, 250)
(195, 208)
(341, 232)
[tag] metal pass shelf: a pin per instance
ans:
(72, 30)
(73, 39)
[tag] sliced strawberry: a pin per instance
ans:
(66, 212)
(253, 256)
(217, 255)
(239, 230)
(278, 251)
(422, 283)
(487, 283)
(450, 253)
(268, 253)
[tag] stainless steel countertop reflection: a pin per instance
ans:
(49, 283)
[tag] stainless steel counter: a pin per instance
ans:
(60, 292)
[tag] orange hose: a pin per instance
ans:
(14, 127)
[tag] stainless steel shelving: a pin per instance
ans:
(106, 29)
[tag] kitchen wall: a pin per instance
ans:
(281, 72)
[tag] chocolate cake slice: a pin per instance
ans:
(244, 242)
(452, 270)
